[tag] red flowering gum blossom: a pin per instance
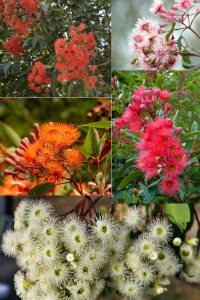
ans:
(38, 79)
(14, 45)
(162, 154)
(74, 56)
(19, 14)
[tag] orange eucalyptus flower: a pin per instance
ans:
(61, 134)
(74, 157)
(15, 187)
(47, 158)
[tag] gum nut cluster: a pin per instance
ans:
(50, 157)
(69, 259)
(160, 152)
(20, 17)
(150, 47)
(73, 57)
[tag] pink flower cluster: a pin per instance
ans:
(150, 47)
(181, 5)
(160, 152)
(176, 13)
(149, 42)
(144, 102)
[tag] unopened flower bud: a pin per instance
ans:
(92, 184)
(10, 161)
(161, 31)
(33, 136)
(192, 242)
(142, 106)
(70, 257)
(162, 24)
(8, 172)
(21, 177)
(177, 241)
(74, 264)
(108, 187)
(19, 168)
(26, 284)
(169, 123)
(167, 108)
(170, 19)
(164, 16)
(153, 255)
(175, 7)
(37, 130)
(179, 131)
(172, 13)
(160, 290)
(19, 152)
(156, 92)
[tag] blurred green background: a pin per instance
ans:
(22, 113)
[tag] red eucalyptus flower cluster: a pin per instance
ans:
(144, 101)
(73, 61)
(73, 57)
(160, 151)
(38, 79)
(19, 15)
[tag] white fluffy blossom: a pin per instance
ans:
(73, 260)
(134, 218)
(160, 230)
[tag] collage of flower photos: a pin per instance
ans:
(99, 150)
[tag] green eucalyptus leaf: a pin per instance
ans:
(179, 42)
(190, 134)
(171, 31)
(8, 136)
(195, 126)
(92, 143)
(147, 196)
(36, 39)
(178, 214)
(41, 189)
(128, 179)
(101, 124)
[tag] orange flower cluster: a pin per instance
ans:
(15, 187)
(74, 57)
(38, 79)
(50, 157)
(19, 15)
